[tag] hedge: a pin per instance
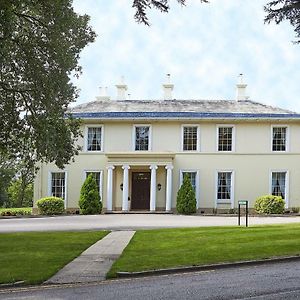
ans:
(51, 206)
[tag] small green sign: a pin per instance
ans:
(243, 202)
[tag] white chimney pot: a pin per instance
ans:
(241, 89)
(121, 89)
(168, 88)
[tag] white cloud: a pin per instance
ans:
(203, 46)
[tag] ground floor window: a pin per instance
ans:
(58, 184)
(192, 175)
(98, 177)
(224, 186)
(279, 184)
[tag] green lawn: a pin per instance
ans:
(154, 249)
(36, 256)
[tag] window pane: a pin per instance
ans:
(190, 138)
(278, 184)
(142, 138)
(279, 139)
(58, 184)
(192, 176)
(94, 139)
(224, 185)
(97, 177)
(225, 138)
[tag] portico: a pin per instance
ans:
(139, 181)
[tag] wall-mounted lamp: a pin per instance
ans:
(159, 186)
(121, 186)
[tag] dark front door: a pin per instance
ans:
(140, 194)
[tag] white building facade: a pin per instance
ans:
(140, 150)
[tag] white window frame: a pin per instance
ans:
(232, 188)
(198, 137)
(233, 137)
(287, 184)
(101, 179)
(134, 135)
(197, 191)
(66, 184)
(287, 137)
(86, 138)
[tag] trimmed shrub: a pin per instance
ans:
(186, 198)
(15, 211)
(89, 201)
(51, 206)
(269, 204)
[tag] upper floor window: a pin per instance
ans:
(225, 138)
(279, 184)
(142, 135)
(279, 138)
(224, 186)
(58, 184)
(190, 138)
(94, 138)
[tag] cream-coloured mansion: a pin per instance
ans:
(139, 151)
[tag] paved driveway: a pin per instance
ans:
(128, 221)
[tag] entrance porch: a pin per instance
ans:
(139, 182)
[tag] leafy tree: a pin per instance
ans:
(89, 202)
(20, 193)
(186, 199)
(280, 10)
(142, 5)
(6, 176)
(40, 42)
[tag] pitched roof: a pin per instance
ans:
(180, 109)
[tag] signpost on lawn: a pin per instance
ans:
(244, 203)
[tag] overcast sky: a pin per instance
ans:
(203, 46)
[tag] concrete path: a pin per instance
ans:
(128, 222)
(93, 264)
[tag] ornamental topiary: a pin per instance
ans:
(89, 202)
(269, 204)
(51, 206)
(186, 199)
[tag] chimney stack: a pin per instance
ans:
(121, 90)
(103, 94)
(241, 89)
(168, 88)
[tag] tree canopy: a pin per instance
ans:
(141, 7)
(281, 10)
(40, 42)
(277, 11)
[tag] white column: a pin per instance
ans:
(109, 195)
(153, 169)
(125, 187)
(169, 169)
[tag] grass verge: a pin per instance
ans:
(36, 256)
(167, 248)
